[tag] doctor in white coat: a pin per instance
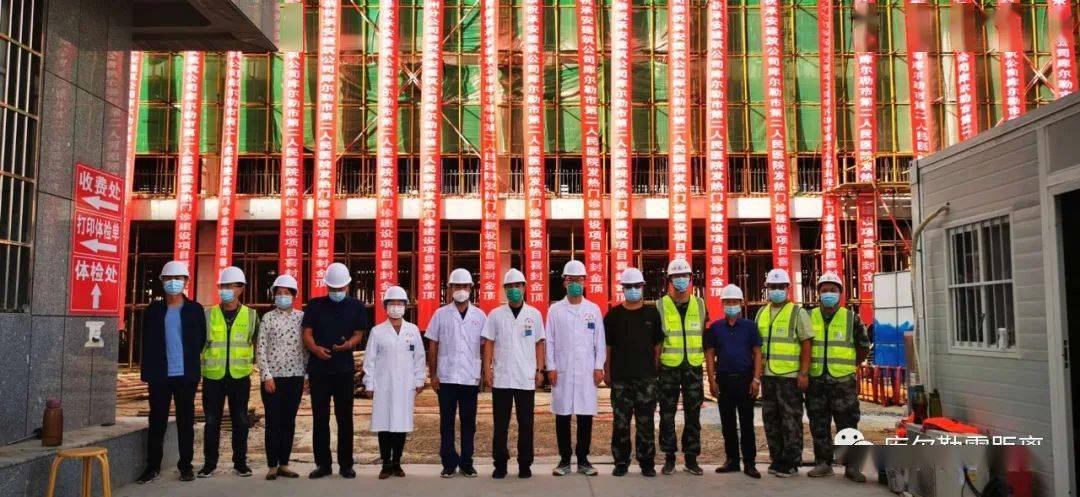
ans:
(394, 373)
(576, 351)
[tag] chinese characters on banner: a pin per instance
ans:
(919, 81)
(1063, 46)
(322, 222)
(716, 161)
(776, 133)
(865, 115)
(831, 257)
(967, 102)
(291, 237)
(1011, 41)
(592, 177)
(187, 177)
(96, 236)
(536, 272)
(227, 173)
(490, 276)
(386, 208)
(621, 215)
(866, 213)
(427, 299)
(134, 81)
(679, 130)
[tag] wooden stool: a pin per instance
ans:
(87, 455)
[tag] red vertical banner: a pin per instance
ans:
(593, 172)
(776, 133)
(134, 85)
(716, 160)
(1063, 46)
(386, 179)
(866, 213)
(619, 122)
(917, 23)
(322, 222)
(230, 126)
(427, 298)
(831, 256)
(967, 93)
(187, 174)
(865, 115)
(679, 129)
(536, 271)
(291, 231)
(1011, 54)
(490, 275)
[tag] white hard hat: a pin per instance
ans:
(829, 277)
(513, 276)
(231, 274)
(777, 277)
(395, 293)
(678, 266)
(731, 291)
(631, 276)
(285, 281)
(337, 276)
(574, 268)
(175, 268)
(460, 276)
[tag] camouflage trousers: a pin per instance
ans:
(830, 400)
(634, 398)
(782, 411)
(685, 380)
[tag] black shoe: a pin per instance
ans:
(499, 473)
(524, 472)
(285, 472)
(398, 470)
(692, 466)
(752, 472)
(207, 471)
(669, 465)
(242, 470)
(648, 471)
(150, 475)
(386, 472)
(320, 472)
(468, 471)
(447, 473)
(187, 475)
(347, 473)
(620, 470)
(728, 467)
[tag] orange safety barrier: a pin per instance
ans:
(883, 385)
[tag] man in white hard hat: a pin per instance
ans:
(454, 348)
(576, 352)
(785, 336)
(282, 361)
(683, 316)
(513, 362)
(733, 363)
(840, 344)
(173, 332)
(231, 329)
(633, 334)
(334, 326)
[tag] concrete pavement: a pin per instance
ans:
(423, 481)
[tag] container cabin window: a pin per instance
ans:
(981, 286)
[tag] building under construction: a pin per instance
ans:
(742, 135)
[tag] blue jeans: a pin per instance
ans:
(457, 400)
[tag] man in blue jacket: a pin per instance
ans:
(173, 333)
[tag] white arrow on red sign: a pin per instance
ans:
(97, 203)
(96, 293)
(97, 246)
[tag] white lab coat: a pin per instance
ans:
(394, 368)
(514, 361)
(459, 344)
(575, 348)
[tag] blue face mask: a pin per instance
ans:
(632, 294)
(336, 296)
(227, 295)
(283, 301)
(575, 289)
(681, 283)
(732, 311)
(830, 299)
(778, 296)
(174, 287)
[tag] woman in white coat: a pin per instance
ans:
(576, 351)
(394, 373)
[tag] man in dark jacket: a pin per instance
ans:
(173, 334)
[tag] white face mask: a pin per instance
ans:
(395, 311)
(461, 296)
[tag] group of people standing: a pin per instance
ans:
(649, 355)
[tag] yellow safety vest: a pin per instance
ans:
(780, 339)
(232, 352)
(681, 342)
(835, 344)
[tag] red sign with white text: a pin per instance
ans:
(227, 178)
(536, 260)
(620, 122)
(490, 275)
(831, 256)
(291, 230)
(96, 238)
(322, 222)
(776, 133)
(134, 80)
(187, 175)
(716, 160)
(866, 213)
(865, 115)
(427, 299)
(679, 130)
(1011, 41)
(919, 81)
(967, 93)
(1063, 46)
(592, 179)
(386, 180)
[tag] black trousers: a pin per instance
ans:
(502, 400)
(215, 394)
(163, 393)
(584, 437)
(281, 407)
(457, 401)
(339, 387)
(736, 404)
(391, 444)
